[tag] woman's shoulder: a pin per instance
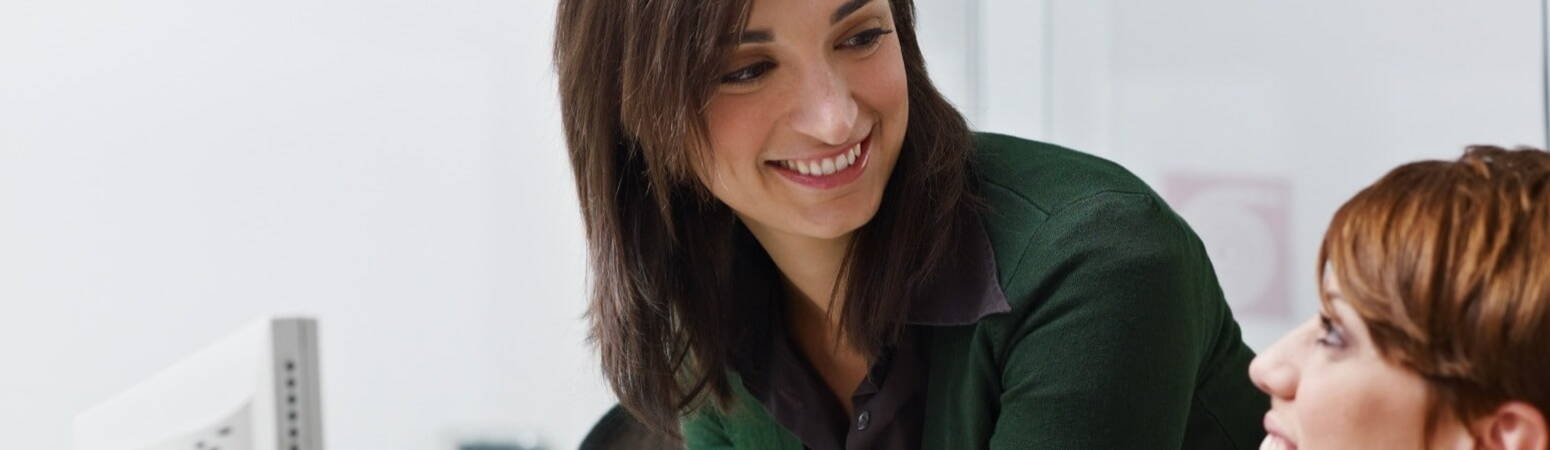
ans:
(1068, 228)
(1085, 247)
(1046, 176)
(1046, 202)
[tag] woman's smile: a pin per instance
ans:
(807, 118)
(828, 170)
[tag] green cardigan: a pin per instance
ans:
(1118, 337)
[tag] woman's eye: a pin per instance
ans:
(1330, 335)
(748, 73)
(864, 39)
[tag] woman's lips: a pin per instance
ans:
(1275, 438)
(1275, 442)
(829, 171)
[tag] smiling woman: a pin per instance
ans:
(796, 242)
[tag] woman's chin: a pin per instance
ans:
(836, 223)
(829, 230)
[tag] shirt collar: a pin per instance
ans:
(968, 290)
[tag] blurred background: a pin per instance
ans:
(171, 169)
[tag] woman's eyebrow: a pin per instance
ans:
(756, 37)
(845, 10)
(764, 36)
(761, 36)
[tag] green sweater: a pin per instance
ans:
(1118, 338)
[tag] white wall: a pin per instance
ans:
(946, 31)
(171, 169)
(1257, 119)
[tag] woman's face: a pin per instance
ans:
(1330, 389)
(809, 117)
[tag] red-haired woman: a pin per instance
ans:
(1434, 326)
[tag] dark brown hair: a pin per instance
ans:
(1448, 264)
(679, 287)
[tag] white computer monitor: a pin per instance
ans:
(256, 389)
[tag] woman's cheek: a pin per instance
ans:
(737, 127)
(727, 122)
(1359, 407)
(879, 80)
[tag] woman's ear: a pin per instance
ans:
(1515, 425)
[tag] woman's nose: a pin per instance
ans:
(1276, 371)
(824, 108)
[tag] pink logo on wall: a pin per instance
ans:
(1246, 226)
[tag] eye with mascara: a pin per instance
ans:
(864, 39)
(747, 74)
(1331, 335)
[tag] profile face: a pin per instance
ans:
(1331, 389)
(808, 118)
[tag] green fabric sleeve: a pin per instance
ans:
(1121, 307)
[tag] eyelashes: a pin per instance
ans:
(1331, 335)
(748, 73)
(864, 39)
(861, 42)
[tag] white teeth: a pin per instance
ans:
(825, 166)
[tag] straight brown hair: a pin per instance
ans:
(679, 289)
(1448, 264)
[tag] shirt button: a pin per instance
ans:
(862, 420)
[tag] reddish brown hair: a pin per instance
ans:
(1448, 264)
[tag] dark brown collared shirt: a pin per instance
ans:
(889, 402)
